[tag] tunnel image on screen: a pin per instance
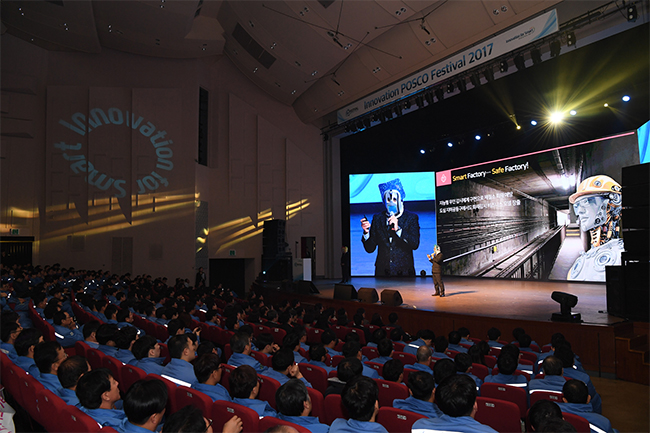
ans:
(513, 218)
(383, 251)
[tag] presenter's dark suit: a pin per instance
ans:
(436, 271)
(396, 257)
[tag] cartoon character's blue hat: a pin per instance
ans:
(392, 184)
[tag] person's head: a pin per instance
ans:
(575, 391)
(360, 397)
(106, 334)
(507, 364)
(552, 366)
(26, 341)
(146, 347)
(517, 332)
(493, 334)
(378, 335)
(291, 341)
(565, 354)
(557, 339)
(442, 369)
(97, 389)
(174, 326)
(282, 359)
(441, 344)
(392, 318)
(426, 335)
(510, 350)
(349, 368)
(124, 315)
(351, 349)
(243, 382)
(206, 347)
(264, 342)
(464, 332)
(423, 354)
(385, 347)
(454, 337)
(463, 362)
(48, 356)
(240, 343)
(393, 370)
(187, 420)
(125, 337)
(317, 352)
(524, 340)
(110, 312)
(292, 399)
(71, 370)
(207, 367)
(144, 403)
(541, 411)
(62, 318)
(182, 347)
(421, 385)
(328, 337)
(554, 425)
(456, 396)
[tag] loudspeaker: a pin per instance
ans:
(306, 287)
(391, 297)
(345, 292)
(615, 290)
(367, 294)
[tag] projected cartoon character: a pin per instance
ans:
(597, 204)
(395, 233)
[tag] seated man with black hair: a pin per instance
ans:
(97, 392)
(207, 369)
(265, 344)
(65, 329)
(348, 369)
(552, 380)
(329, 340)
(566, 355)
(317, 357)
(443, 369)
(352, 349)
(292, 341)
(424, 336)
(385, 350)
(294, 405)
(554, 425)
(146, 351)
(464, 335)
(493, 336)
(556, 340)
(99, 308)
(144, 406)
(211, 318)
(440, 345)
(240, 344)
(507, 365)
(9, 332)
(24, 345)
(576, 400)
(422, 389)
(423, 358)
(284, 367)
(524, 343)
(393, 371)
(361, 398)
(454, 342)
(513, 350)
(190, 419)
(106, 338)
(182, 350)
(90, 333)
(541, 411)
(111, 314)
(456, 398)
(69, 373)
(124, 340)
(124, 318)
(377, 335)
(244, 389)
(463, 366)
(48, 356)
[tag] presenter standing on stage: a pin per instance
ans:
(436, 270)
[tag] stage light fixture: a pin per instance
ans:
(632, 13)
(407, 104)
(566, 301)
(555, 48)
(533, 122)
(556, 117)
(450, 87)
(422, 151)
(398, 110)
(489, 74)
(570, 39)
(573, 112)
(475, 79)
(518, 127)
(429, 98)
(477, 137)
(419, 100)
(450, 144)
(462, 86)
(366, 122)
(605, 104)
(520, 63)
(440, 94)
(536, 55)
(625, 98)
(503, 66)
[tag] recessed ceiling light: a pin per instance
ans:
(255, 70)
(314, 73)
(293, 92)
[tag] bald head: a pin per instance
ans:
(423, 354)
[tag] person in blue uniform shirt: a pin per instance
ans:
(423, 360)
(182, 350)
(575, 400)
(48, 356)
(207, 369)
(317, 354)
(454, 342)
(566, 355)
(106, 338)
(507, 365)
(422, 389)
(440, 345)
(90, 333)
(124, 340)
(352, 349)
(394, 233)
(442, 369)
(553, 381)
(385, 351)
(294, 405)
(24, 345)
(329, 340)
(65, 329)
(456, 398)
(541, 411)
(292, 340)
(146, 351)
(493, 336)
(244, 389)
(144, 406)
(284, 367)
(464, 365)
(360, 397)
(69, 373)
(191, 419)
(98, 392)
(241, 353)
(424, 336)
(10, 331)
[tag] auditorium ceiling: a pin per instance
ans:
(317, 56)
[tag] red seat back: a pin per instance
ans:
(75, 421)
(397, 420)
(30, 389)
(406, 358)
(370, 352)
(130, 375)
(490, 361)
(171, 391)
(361, 334)
(501, 415)
(188, 396)
(479, 370)
(529, 356)
(50, 410)
(95, 358)
(314, 335)
(268, 388)
(317, 403)
(335, 409)
(389, 391)
(269, 422)
(375, 366)
(336, 359)
(222, 411)
(225, 375)
(12, 377)
(81, 348)
(278, 335)
(581, 425)
(545, 395)
(508, 393)
(115, 366)
(261, 357)
(315, 375)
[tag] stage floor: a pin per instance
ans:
(513, 299)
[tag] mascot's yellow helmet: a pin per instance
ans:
(600, 184)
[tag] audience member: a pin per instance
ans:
(207, 369)
(190, 419)
(423, 357)
(464, 336)
(422, 389)
(182, 350)
(552, 380)
(317, 356)
(440, 347)
(361, 398)
(463, 366)
(244, 389)
(144, 406)
(566, 355)
(348, 369)
(507, 365)
(294, 405)
(442, 369)
(9, 333)
(424, 336)
(24, 345)
(292, 341)
(284, 367)
(393, 371)
(542, 410)
(106, 338)
(576, 399)
(97, 392)
(48, 357)
(352, 349)
(329, 340)
(454, 342)
(124, 340)
(240, 344)
(146, 351)
(65, 329)
(493, 336)
(90, 333)
(69, 373)
(554, 425)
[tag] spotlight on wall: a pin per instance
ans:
(419, 100)
(450, 87)
(440, 94)
(570, 39)
(503, 66)
(536, 55)
(555, 48)
(566, 301)
(520, 62)
(632, 13)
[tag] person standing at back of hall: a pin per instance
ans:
(436, 270)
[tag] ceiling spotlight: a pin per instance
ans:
(536, 55)
(556, 117)
(440, 94)
(632, 13)
(533, 122)
(450, 88)
(570, 39)
(293, 92)
(555, 48)
(475, 79)
(450, 144)
(573, 112)
(520, 62)
(422, 151)
(625, 98)
(428, 96)
(495, 12)
(462, 86)
(477, 137)
(419, 100)
(254, 70)
(314, 73)
(518, 127)
(605, 104)
(489, 74)
(503, 66)
(273, 45)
